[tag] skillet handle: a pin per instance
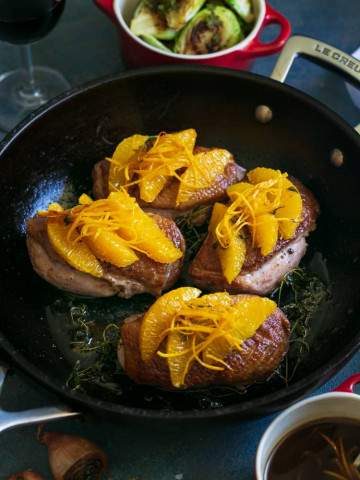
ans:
(319, 52)
(27, 417)
(348, 386)
(36, 415)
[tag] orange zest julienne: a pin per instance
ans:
(268, 206)
(203, 330)
(150, 162)
(111, 230)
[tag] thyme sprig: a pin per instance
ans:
(88, 338)
(300, 295)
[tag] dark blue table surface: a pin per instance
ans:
(84, 46)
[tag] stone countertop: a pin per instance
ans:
(84, 46)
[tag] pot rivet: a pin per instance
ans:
(263, 114)
(337, 157)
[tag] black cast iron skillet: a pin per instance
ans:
(50, 156)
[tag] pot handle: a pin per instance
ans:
(107, 6)
(258, 48)
(27, 417)
(319, 52)
(349, 385)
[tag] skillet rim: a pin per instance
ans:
(267, 403)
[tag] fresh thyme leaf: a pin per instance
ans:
(193, 226)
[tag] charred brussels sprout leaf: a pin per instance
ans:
(211, 30)
(154, 42)
(243, 8)
(148, 21)
(182, 12)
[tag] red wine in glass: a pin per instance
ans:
(23, 22)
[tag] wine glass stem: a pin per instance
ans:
(29, 89)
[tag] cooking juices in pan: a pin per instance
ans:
(322, 450)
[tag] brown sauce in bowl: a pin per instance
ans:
(328, 449)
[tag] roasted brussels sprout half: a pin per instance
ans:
(181, 12)
(243, 8)
(212, 29)
(154, 42)
(148, 21)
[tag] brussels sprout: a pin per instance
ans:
(154, 42)
(148, 21)
(211, 30)
(182, 12)
(243, 8)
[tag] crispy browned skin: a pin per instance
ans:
(145, 275)
(259, 274)
(165, 202)
(259, 357)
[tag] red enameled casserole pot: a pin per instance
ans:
(138, 53)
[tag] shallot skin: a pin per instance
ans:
(72, 457)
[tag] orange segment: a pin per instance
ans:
(152, 186)
(121, 157)
(263, 174)
(237, 188)
(158, 318)
(217, 214)
(77, 254)
(55, 207)
(181, 344)
(251, 312)
(154, 242)
(84, 199)
(266, 233)
(144, 233)
(289, 213)
(217, 299)
(232, 258)
(250, 196)
(216, 352)
(183, 139)
(170, 152)
(187, 137)
(202, 173)
(109, 247)
(178, 344)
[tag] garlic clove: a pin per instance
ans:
(72, 457)
(26, 475)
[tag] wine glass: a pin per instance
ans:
(27, 88)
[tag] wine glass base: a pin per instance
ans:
(18, 98)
